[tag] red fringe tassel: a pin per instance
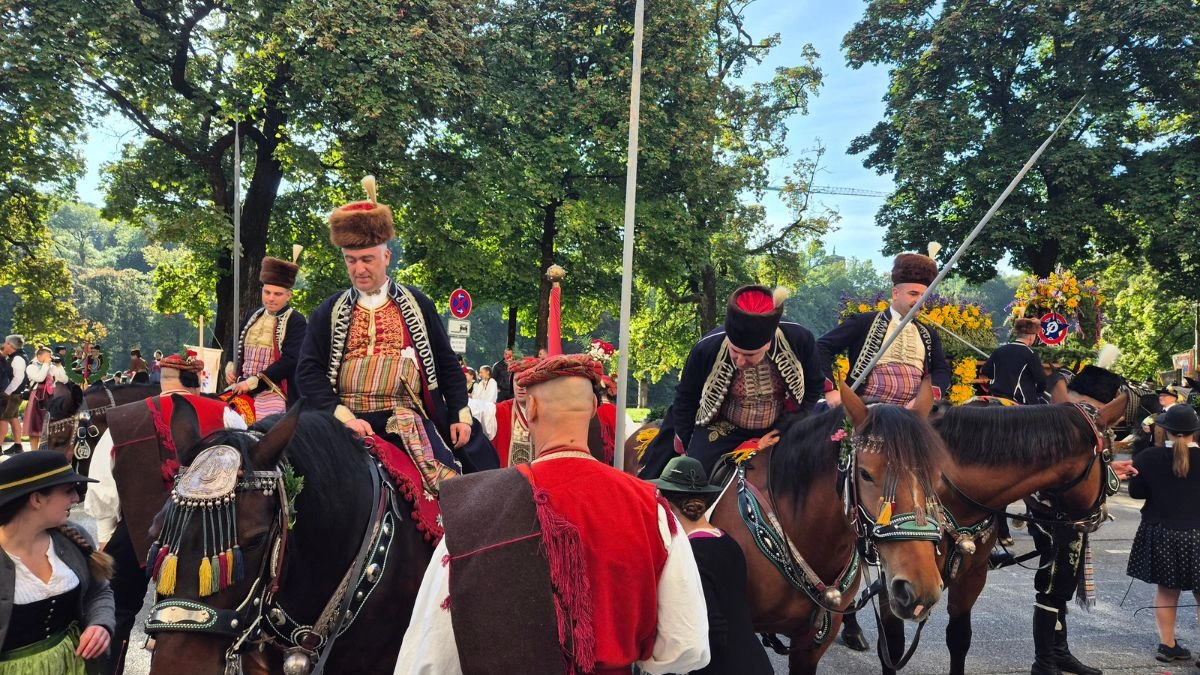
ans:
(568, 575)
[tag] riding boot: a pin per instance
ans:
(1045, 661)
(1067, 662)
(852, 636)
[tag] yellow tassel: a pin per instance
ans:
(743, 454)
(228, 567)
(166, 576)
(885, 514)
(206, 588)
(643, 440)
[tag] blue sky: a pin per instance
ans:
(847, 105)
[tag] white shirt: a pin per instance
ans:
(681, 644)
(38, 372)
(374, 301)
(485, 390)
(30, 589)
(18, 374)
(101, 501)
(485, 412)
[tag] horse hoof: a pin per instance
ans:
(855, 640)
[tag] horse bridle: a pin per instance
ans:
(81, 424)
(301, 644)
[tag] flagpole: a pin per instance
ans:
(912, 312)
(237, 237)
(635, 105)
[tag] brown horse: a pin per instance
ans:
(331, 591)
(999, 455)
(785, 507)
(76, 419)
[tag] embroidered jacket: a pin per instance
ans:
(862, 336)
(289, 338)
(1014, 371)
(445, 390)
(708, 375)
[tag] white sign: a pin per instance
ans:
(208, 376)
(458, 344)
(459, 328)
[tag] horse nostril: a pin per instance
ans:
(902, 592)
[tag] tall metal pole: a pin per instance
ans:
(912, 312)
(237, 238)
(635, 106)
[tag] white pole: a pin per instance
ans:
(237, 237)
(635, 106)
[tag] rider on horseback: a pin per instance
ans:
(1014, 371)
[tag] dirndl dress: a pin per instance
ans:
(1166, 557)
(42, 638)
(35, 412)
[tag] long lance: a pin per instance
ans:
(912, 312)
(956, 336)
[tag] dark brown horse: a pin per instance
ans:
(336, 589)
(76, 419)
(1000, 455)
(804, 572)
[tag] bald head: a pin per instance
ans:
(559, 412)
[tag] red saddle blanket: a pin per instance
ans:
(407, 478)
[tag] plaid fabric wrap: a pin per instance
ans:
(371, 383)
(256, 360)
(755, 398)
(896, 383)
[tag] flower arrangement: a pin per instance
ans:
(841, 368)
(962, 387)
(1081, 302)
(601, 351)
(968, 319)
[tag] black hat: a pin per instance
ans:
(1179, 419)
(752, 316)
(1169, 391)
(685, 474)
(1098, 383)
(29, 472)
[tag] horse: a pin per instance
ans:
(76, 419)
(811, 512)
(999, 455)
(319, 578)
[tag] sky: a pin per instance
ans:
(849, 103)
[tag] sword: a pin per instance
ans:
(912, 312)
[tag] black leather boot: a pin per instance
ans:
(852, 637)
(1067, 662)
(1045, 660)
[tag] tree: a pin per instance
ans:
(976, 87)
(1148, 322)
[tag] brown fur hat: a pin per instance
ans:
(914, 268)
(1026, 327)
(276, 272)
(362, 224)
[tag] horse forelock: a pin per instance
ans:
(1034, 436)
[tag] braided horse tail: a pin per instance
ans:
(100, 564)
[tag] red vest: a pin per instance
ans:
(210, 412)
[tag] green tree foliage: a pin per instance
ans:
(1146, 320)
(977, 85)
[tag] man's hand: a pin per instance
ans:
(459, 434)
(1124, 468)
(833, 398)
(229, 378)
(93, 642)
(360, 427)
(242, 387)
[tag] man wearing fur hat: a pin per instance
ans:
(914, 354)
(378, 357)
(737, 382)
(1014, 371)
(269, 345)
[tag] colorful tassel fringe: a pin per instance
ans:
(166, 575)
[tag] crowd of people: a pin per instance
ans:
(518, 453)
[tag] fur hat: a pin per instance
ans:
(362, 224)
(1026, 327)
(276, 272)
(1098, 383)
(752, 316)
(914, 268)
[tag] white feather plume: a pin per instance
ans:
(780, 294)
(1108, 356)
(934, 247)
(296, 249)
(368, 183)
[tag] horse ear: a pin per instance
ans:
(1059, 393)
(270, 448)
(856, 410)
(1112, 411)
(185, 424)
(923, 403)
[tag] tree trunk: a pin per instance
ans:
(1042, 257)
(708, 299)
(512, 327)
(643, 393)
(546, 248)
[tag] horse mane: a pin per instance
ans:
(806, 451)
(1033, 435)
(63, 406)
(100, 386)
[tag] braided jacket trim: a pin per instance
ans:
(716, 386)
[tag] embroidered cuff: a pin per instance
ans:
(253, 382)
(828, 386)
(343, 414)
(464, 416)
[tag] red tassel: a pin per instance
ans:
(568, 574)
(446, 603)
(162, 554)
(672, 526)
(223, 564)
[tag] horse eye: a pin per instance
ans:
(865, 475)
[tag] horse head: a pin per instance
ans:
(64, 403)
(217, 542)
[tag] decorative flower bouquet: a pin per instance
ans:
(1079, 302)
(602, 351)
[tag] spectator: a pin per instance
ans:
(470, 375)
(485, 387)
(43, 374)
(504, 383)
(12, 393)
(1166, 549)
(156, 368)
(731, 639)
(138, 372)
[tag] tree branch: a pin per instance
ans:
(142, 120)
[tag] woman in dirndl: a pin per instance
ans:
(56, 607)
(43, 374)
(1166, 549)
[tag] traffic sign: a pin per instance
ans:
(458, 345)
(459, 328)
(460, 304)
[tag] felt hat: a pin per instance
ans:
(685, 474)
(362, 224)
(188, 363)
(29, 472)
(1179, 419)
(1098, 383)
(752, 315)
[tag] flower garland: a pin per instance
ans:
(601, 351)
(1081, 302)
(965, 371)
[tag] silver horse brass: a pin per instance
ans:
(179, 615)
(212, 475)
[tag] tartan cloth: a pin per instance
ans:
(755, 397)
(255, 359)
(895, 383)
(372, 383)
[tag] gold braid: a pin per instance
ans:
(100, 564)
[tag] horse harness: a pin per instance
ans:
(758, 514)
(260, 619)
(1046, 507)
(82, 425)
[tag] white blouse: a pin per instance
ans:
(30, 589)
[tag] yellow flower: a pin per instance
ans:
(862, 307)
(1072, 303)
(841, 366)
(881, 305)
